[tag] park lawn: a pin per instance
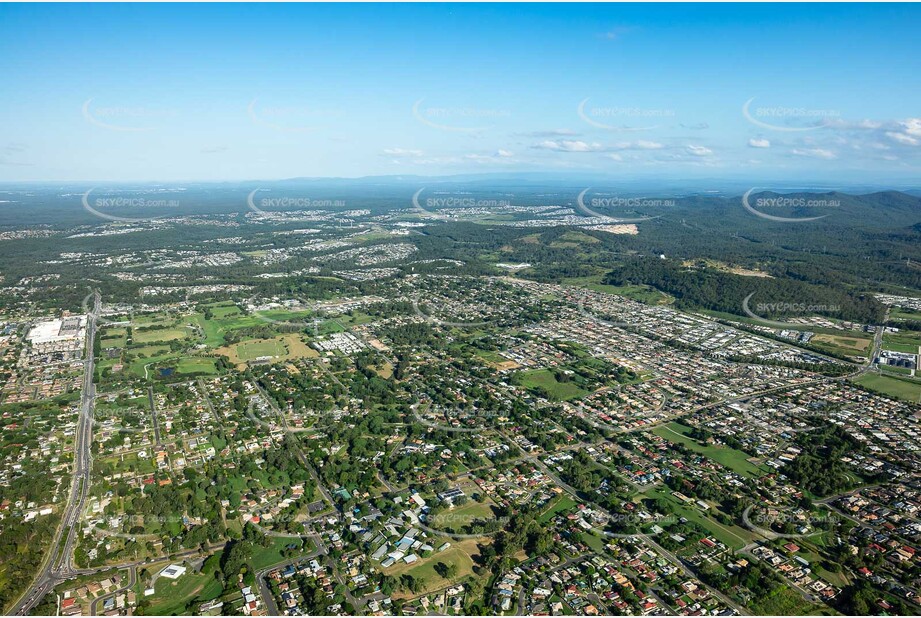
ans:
(221, 311)
(594, 541)
(895, 371)
(455, 519)
(562, 503)
(384, 370)
(197, 364)
(907, 341)
(281, 348)
(330, 327)
(733, 536)
(148, 351)
(544, 378)
(159, 334)
(137, 366)
(901, 347)
(129, 462)
(894, 387)
(215, 329)
(113, 341)
(173, 596)
(250, 350)
(905, 314)
(266, 556)
(152, 319)
(459, 554)
(286, 315)
(731, 458)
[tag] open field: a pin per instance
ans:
(642, 293)
(152, 319)
(265, 556)
(460, 554)
(159, 334)
(731, 458)
(572, 240)
(894, 387)
(732, 536)
(562, 503)
(905, 341)
(281, 348)
(251, 350)
(196, 364)
(137, 367)
(544, 379)
(172, 596)
(384, 370)
(454, 520)
(786, 602)
(148, 351)
(843, 344)
(224, 310)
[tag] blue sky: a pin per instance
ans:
(239, 92)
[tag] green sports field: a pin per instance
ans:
(251, 350)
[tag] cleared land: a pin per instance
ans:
(845, 344)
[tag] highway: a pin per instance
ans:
(58, 564)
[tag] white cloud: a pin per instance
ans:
(814, 153)
(614, 156)
(699, 151)
(566, 145)
(912, 126)
(903, 138)
(641, 144)
(402, 152)
(759, 142)
(504, 153)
